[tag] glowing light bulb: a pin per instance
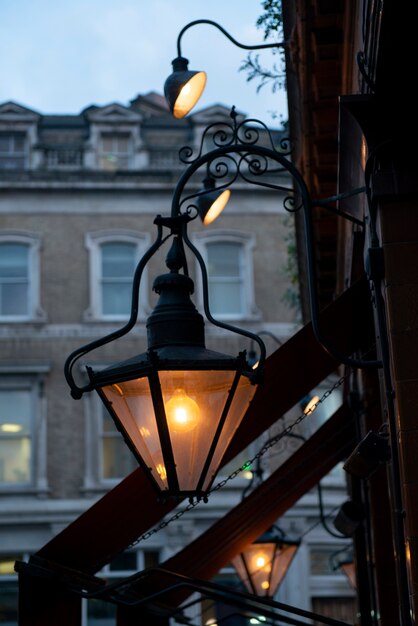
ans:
(11, 428)
(182, 412)
(217, 207)
(311, 406)
(265, 584)
(185, 90)
(189, 95)
(260, 561)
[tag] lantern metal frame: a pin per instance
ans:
(276, 536)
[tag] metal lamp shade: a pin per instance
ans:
(183, 88)
(263, 565)
(177, 416)
(211, 205)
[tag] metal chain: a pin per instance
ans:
(269, 444)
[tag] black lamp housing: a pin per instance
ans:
(183, 87)
(178, 404)
(211, 202)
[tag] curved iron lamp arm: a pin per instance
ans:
(234, 41)
(77, 391)
(255, 375)
(248, 150)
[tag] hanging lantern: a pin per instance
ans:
(263, 564)
(178, 404)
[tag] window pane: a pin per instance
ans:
(14, 260)
(8, 603)
(124, 562)
(14, 299)
(118, 260)
(225, 271)
(107, 143)
(151, 558)
(116, 299)
(12, 142)
(224, 259)
(5, 142)
(101, 613)
(117, 460)
(15, 444)
(225, 298)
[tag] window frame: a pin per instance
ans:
(102, 154)
(32, 379)
(94, 242)
(247, 241)
(23, 154)
(33, 242)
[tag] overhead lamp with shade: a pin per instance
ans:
(183, 87)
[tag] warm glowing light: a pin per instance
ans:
(11, 428)
(189, 95)
(247, 475)
(7, 567)
(311, 406)
(118, 389)
(217, 207)
(182, 412)
(265, 584)
(144, 431)
(161, 471)
(260, 561)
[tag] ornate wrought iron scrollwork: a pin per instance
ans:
(245, 151)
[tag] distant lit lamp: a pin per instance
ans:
(367, 457)
(348, 568)
(263, 564)
(212, 201)
(343, 560)
(183, 87)
(310, 405)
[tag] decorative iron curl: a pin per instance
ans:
(289, 203)
(285, 146)
(257, 164)
(224, 134)
(223, 167)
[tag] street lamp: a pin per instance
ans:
(343, 560)
(184, 87)
(263, 564)
(178, 404)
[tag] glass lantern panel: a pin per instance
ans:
(131, 401)
(194, 403)
(266, 564)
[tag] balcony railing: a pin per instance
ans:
(63, 158)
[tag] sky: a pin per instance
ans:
(60, 56)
